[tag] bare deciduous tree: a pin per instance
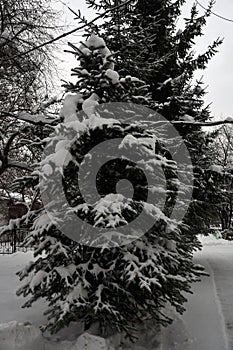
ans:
(25, 81)
(222, 157)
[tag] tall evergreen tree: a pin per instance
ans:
(142, 59)
(148, 45)
(105, 279)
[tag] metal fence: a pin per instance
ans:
(13, 242)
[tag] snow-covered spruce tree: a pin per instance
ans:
(149, 45)
(96, 279)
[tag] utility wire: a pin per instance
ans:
(213, 13)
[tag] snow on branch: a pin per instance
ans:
(42, 119)
(36, 119)
(228, 120)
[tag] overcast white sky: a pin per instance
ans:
(219, 74)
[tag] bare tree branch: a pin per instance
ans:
(73, 30)
(9, 143)
(35, 119)
(15, 164)
(42, 119)
(214, 123)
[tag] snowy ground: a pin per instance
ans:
(208, 322)
(206, 325)
(10, 304)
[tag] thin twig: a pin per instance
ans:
(73, 30)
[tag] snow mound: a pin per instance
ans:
(90, 104)
(24, 336)
(95, 41)
(229, 119)
(187, 118)
(20, 336)
(216, 168)
(69, 109)
(212, 240)
(92, 342)
(112, 75)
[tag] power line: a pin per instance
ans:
(213, 13)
